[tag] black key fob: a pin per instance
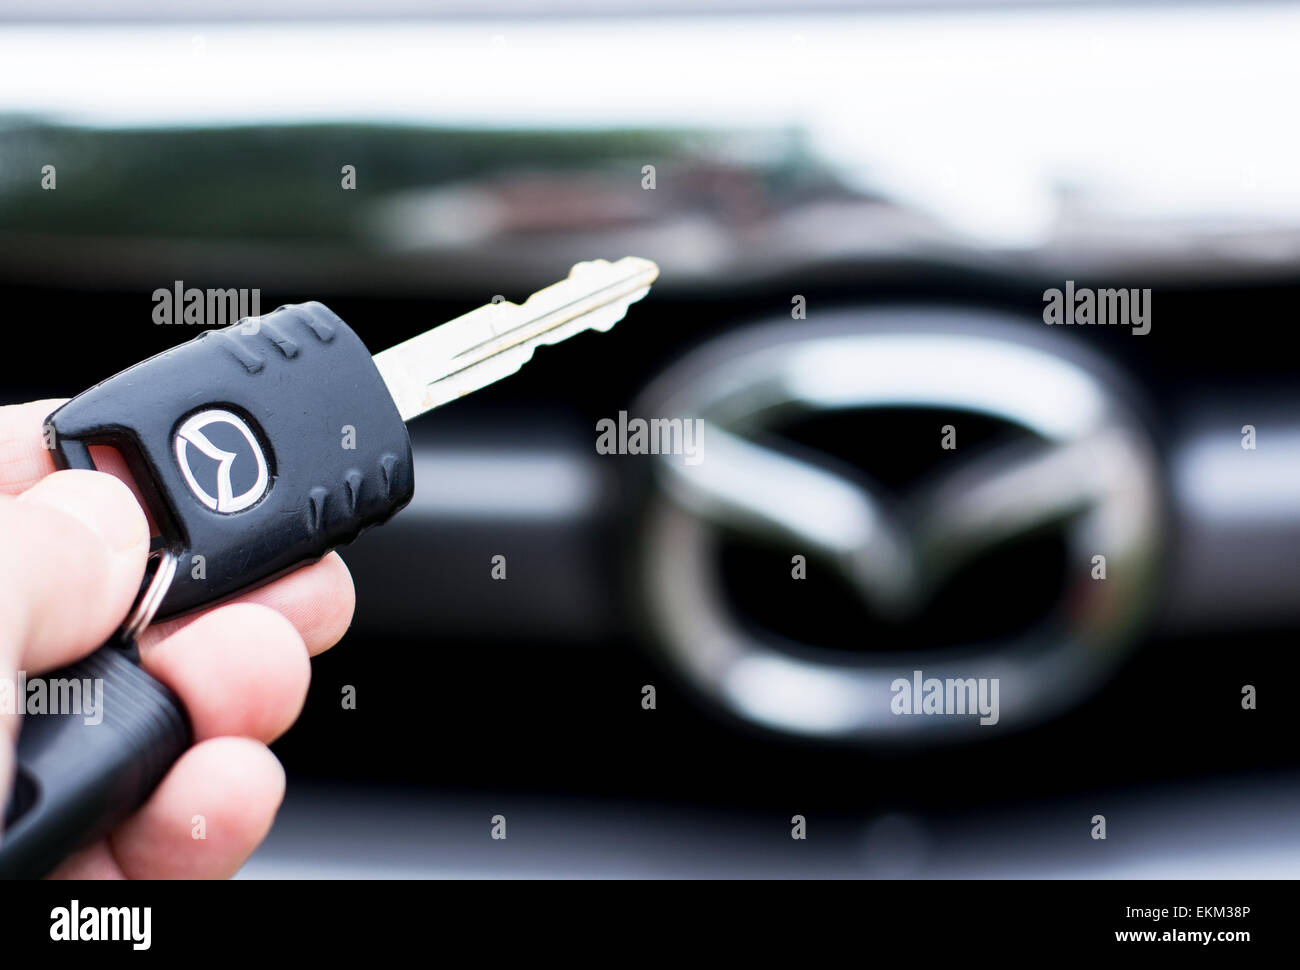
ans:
(258, 448)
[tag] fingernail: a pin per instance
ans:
(98, 500)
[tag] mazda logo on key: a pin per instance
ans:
(221, 460)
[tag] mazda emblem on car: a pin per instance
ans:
(1083, 461)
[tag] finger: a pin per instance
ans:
(75, 546)
(317, 599)
(241, 669)
(71, 561)
(95, 861)
(24, 457)
(211, 811)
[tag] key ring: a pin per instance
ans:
(147, 603)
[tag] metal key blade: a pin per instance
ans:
(497, 339)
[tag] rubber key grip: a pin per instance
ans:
(296, 387)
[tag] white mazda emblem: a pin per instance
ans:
(192, 433)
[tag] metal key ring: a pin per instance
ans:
(147, 603)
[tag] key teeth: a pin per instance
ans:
(578, 326)
(633, 298)
(579, 269)
(588, 265)
(481, 346)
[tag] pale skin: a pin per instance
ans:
(72, 556)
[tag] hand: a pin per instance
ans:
(71, 559)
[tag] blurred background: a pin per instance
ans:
(918, 176)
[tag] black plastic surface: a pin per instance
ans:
(81, 773)
(336, 450)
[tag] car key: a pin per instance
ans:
(258, 449)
